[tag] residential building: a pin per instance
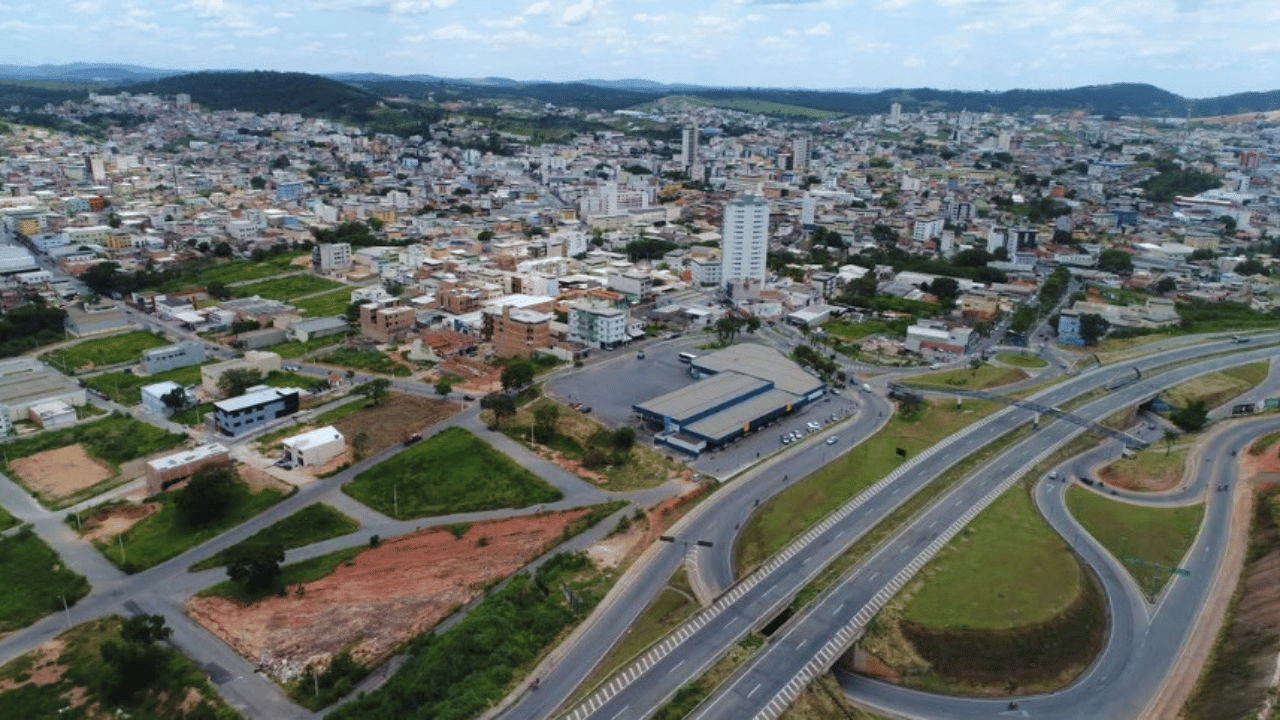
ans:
(169, 357)
(163, 472)
(597, 327)
(329, 258)
(516, 332)
(689, 148)
(314, 447)
(238, 415)
(744, 241)
(386, 323)
(52, 414)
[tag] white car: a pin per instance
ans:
(833, 440)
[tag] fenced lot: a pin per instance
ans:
(101, 352)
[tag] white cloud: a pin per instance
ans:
(645, 17)
(913, 62)
(578, 13)
(822, 28)
(510, 22)
(542, 7)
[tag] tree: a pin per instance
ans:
(545, 417)
(376, 390)
(500, 404)
(623, 438)
(257, 182)
(136, 662)
(175, 400)
(1166, 285)
(235, 381)
(727, 328)
(444, 386)
(1115, 261)
(945, 289)
(1092, 327)
(222, 249)
(207, 495)
(753, 324)
(517, 374)
(255, 566)
(217, 290)
(1192, 417)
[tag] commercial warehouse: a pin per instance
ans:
(740, 389)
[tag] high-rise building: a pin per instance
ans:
(895, 113)
(800, 151)
(689, 148)
(744, 241)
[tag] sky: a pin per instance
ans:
(1197, 48)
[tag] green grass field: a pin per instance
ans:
(303, 571)
(181, 688)
(288, 287)
(37, 581)
(7, 520)
(980, 378)
(452, 471)
(114, 439)
(1007, 568)
(125, 388)
(311, 524)
(101, 352)
(807, 501)
(1020, 360)
(330, 303)
(296, 348)
(1158, 537)
(374, 361)
(163, 535)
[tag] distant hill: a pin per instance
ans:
(266, 91)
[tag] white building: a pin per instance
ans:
(315, 447)
(744, 242)
(153, 397)
(597, 327)
(331, 257)
(689, 148)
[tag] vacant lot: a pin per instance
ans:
(374, 361)
(1219, 387)
(1151, 469)
(1150, 541)
(287, 288)
(103, 351)
(63, 678)
(807, 501)
(1021, 360)
(112, 442)
(37, 582)
(163, 535)
(311, 524)
(379, 427)
(375, 602)
(453, 471)
(331, 303)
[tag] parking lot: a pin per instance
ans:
(610, 387)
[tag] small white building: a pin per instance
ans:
(52, 414)
(315, 447)
(153, 397)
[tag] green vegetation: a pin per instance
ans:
(125, 388)
(373, 361)
(979, 581)
(114, 439)
(1173, 181)
(105, 663)
(1150, 541)
(766, 107)
(29, 326)
(980, 378)
(1020, 360)
(462, 671)
(45, 582)
(1199, 316)
(326, 304)
(288, 287)
(104, 351)
(682, 704)
(7, 520)
(167, 534)
(452, 471)
(297, 348)
(298, 573)
(808, 500)
(311, 524)
(866, 328)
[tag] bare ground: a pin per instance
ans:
(110, 522)
(60, 472)
(385, 596)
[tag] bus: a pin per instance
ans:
(687, 357)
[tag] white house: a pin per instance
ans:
(315, 447)
(153, 397)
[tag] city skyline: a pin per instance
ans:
(1197, 48)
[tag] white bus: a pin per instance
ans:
(687, 357)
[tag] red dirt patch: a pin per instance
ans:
(46, 670)
(114, 520)
(384, 597)
(61, 471)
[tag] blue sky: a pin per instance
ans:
(1197, 48)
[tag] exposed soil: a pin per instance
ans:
(392, 420)
(110, 522)
(381, 599)
(46, 670)
(611, 551)
(258, 480)
(661, 515)
(60, 472)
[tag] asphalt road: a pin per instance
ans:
(640, 688)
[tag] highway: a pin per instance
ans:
(641, 686)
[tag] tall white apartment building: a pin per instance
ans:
(689, 148)
(800, 153)
(745, 239)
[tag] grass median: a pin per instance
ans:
(798, 507)
(311, 524)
